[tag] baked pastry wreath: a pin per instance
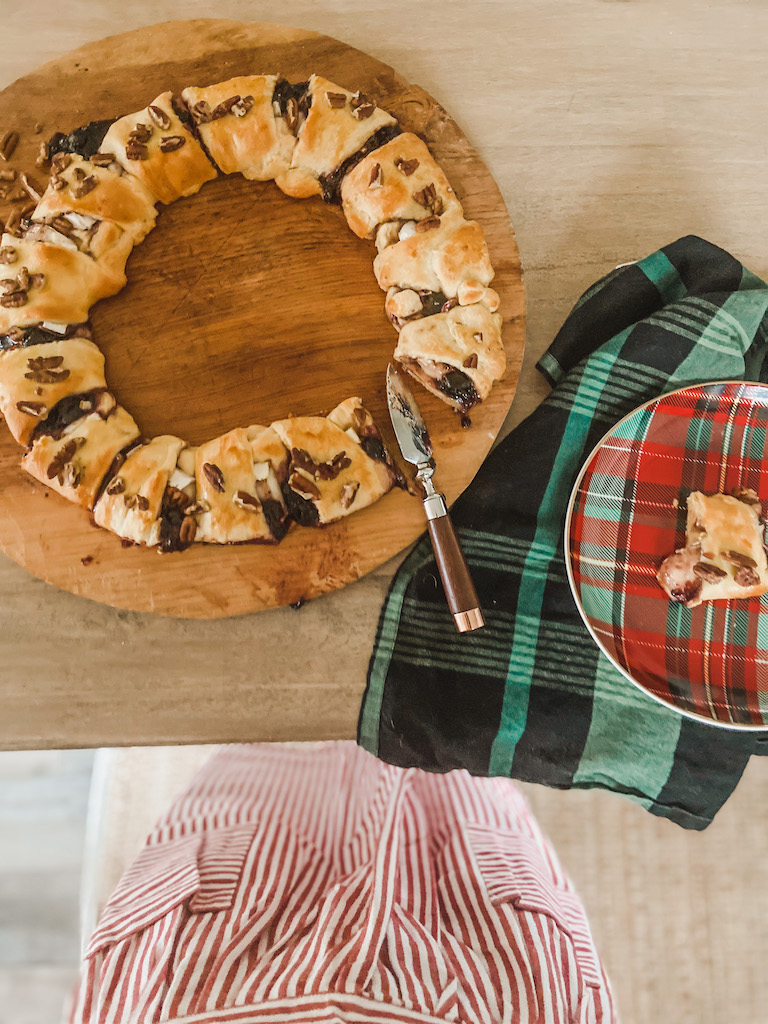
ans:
(311, 138)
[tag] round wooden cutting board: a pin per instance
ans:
(244, 306)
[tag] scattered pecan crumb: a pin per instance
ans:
(171, 143)
(246, 501)
(214, 476)
(471, 361)
(87, 560)
(336, 99)
(116, 485)
(159, 116)
(349, 493)
(478, 336)
(102, 159)
(406, 167)
(376, 178)
(85, 186)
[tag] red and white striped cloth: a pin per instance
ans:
(321, 885)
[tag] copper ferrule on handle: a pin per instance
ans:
(467, 621)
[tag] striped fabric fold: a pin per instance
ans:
(530, 696)
(357, 893)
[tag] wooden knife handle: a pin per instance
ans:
(454, 572)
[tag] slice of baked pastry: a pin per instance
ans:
(75, 458)
(337, 130)
(240, 127)
(99, 189)
(338, 464)
(135, 502)
(155, 146)
(724, 555)
(399, 182)
(239, 477)
(43, 282)
(447, 264)
(457, 355)
(35, 380)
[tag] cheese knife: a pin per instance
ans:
(413, 438)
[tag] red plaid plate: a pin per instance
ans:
(627, 513)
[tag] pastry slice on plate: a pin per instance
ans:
(156, 146)
(434, 270)
(42, 282)
(38, 382)
(724, 555)
(338, 464)
(239, 477)
(135, 502)
(74, 457)
(395, 188)
(240, 127)
(457, 355)
(339, 128)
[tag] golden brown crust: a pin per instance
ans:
(167, 174)
(237, 475)
(118, 197)
(132, 500)
(452, 254)
(72, 282)
(34, 379)
(329, 135)
(329, 466)
(249, 139)
(464, 336)
(76, 463)
(399, 181)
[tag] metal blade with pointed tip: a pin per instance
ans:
(413, 438)
(410, 428)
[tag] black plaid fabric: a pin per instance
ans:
(531, 696)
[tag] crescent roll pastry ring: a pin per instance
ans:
(251, 484)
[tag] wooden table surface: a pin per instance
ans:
(611, 127)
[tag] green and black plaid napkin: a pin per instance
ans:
(531, 696)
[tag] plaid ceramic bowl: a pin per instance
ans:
(627, 513)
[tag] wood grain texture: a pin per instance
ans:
(244, 306)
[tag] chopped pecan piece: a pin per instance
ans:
(159, 116)
(362, 107)
(376, 179)
(71, 475)
(406, 167)
(303, 460)
(136, 501)
(177, 499)
(746, 577)
(471, 361)
(8, 142)
(428, 224)
(349, 493)
(736, 558)
(8, 255)
(747, 495)
(79, 173)
(336, 99)
(141, 133)
(304, 486)
(102, 159)
(171, 143)
(243, 105)
(478, 336)
(61, 162)
(201, 112)
(85, 186)
(214, 476)
(291, 115)
(45, 369)
(708, 572)
(116, 485)
(187, 531)
(136, 151)
(32, 408)
(330, 470)
(449, 305)
(426, 196)
(62, 457)
(246, 501)
(12, 300)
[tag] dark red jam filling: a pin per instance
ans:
(277, 521)
(84, 141)
(331, 182)
(38, 335)
(459, 388)
(299, 91)
(300, 509)
(67, 411)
